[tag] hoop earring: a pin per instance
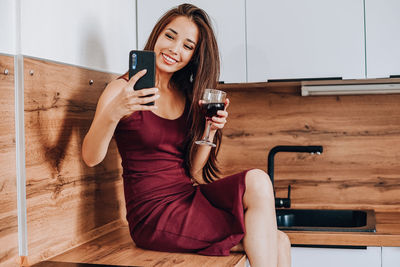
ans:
(191, 78)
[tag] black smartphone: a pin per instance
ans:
(139, 60)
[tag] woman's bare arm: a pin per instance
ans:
(203, 151)
(117, 100)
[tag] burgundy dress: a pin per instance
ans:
(165, 211)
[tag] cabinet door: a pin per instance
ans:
(8, 27)
(334, 257)
(390, 256)
(382, 37)
(305, 39)
(96, 34)
(228, 19)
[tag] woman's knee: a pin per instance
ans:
(258, 185)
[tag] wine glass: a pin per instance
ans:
(212, 101)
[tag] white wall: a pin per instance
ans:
(7, 26)
(97, 34)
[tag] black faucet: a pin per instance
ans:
(285, 202)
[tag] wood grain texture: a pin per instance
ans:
(360, 135)
(8, 189)
(68, 203)
(117, 248)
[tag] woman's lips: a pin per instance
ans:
(169, 60)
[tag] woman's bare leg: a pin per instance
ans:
(262, 243)
(261, 238)
(284, 257)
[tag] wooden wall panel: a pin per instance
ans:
(8, 191)
(360, 165)
(67, 202)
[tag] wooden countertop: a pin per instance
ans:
(116, 247)
(387, 234)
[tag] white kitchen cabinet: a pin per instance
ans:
(305, 39)
(8, 27)
(228, 19)
(390, 256)
(382, 38)
(93, 34)
(334, 257)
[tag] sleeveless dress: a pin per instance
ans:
(165, 211)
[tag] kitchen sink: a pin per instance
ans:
(326, 220)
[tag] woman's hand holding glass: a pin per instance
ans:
(218, 122)
(213, 103)
(129, 100)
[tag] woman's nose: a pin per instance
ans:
(174, 48)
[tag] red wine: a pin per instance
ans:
(210, 109)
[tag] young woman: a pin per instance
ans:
(173, 203)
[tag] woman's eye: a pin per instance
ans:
(189, 47)
(169, 36)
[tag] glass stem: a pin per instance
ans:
(207, 130)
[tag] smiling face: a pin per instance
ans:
(175, 45)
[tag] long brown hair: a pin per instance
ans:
(201, 72)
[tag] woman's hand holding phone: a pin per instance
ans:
(139, 98)
(128, 100)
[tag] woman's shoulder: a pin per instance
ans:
(112, 89)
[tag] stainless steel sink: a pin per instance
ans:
(326, 220)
